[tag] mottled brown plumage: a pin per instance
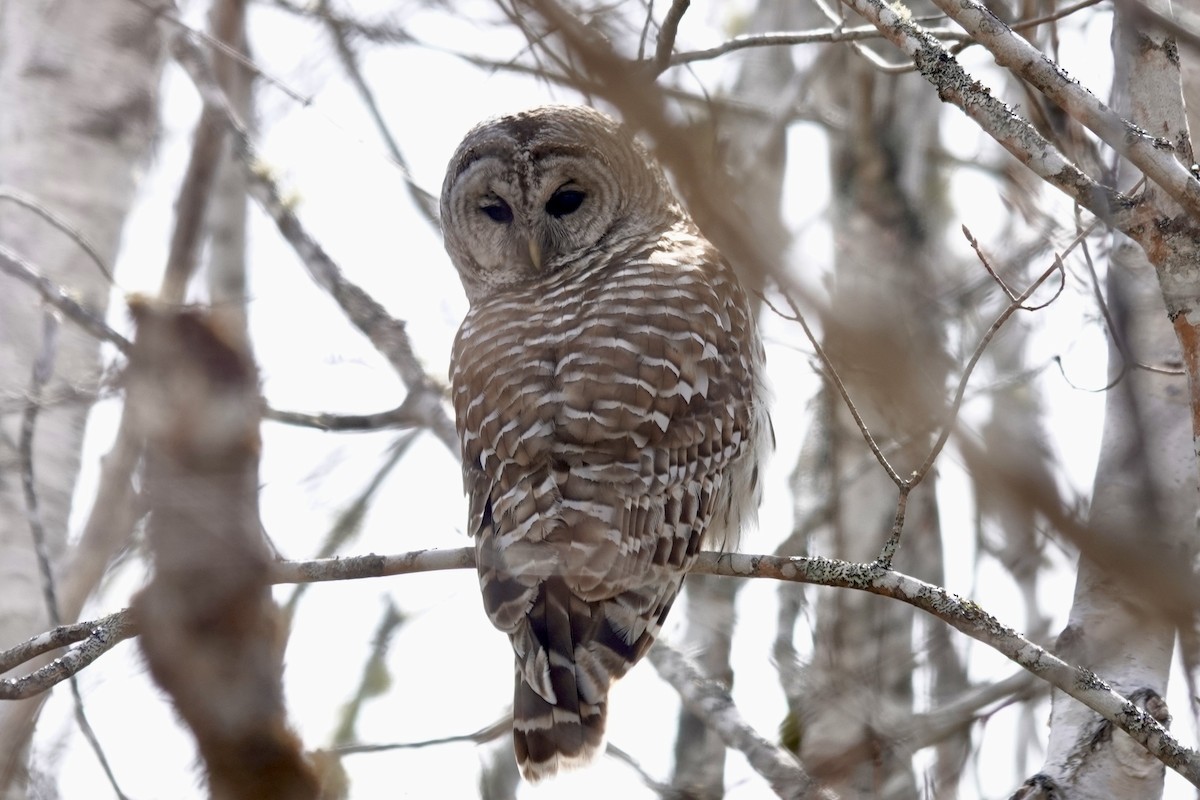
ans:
(608, 392)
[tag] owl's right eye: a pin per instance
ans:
(498, 211)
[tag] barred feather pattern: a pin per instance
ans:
(612, 415)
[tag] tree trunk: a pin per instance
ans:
(79, 97)
(883, 335)
(1143, 510)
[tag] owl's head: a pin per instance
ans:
(550, 189)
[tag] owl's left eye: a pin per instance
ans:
(498, 211)
(563, 202)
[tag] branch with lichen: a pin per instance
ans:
(961, 614)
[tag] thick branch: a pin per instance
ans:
(1000, 122)
(710, 701)
(212, 636)
(962, 615)
(1152, 155)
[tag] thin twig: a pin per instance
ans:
(17, 267)
(983, 259)
(952, 415)
(89, 733)
(164, 10)
(481, 736)
(827, 365)
(789, 38)
(641, 54)
(884, 559)
(426, 203)
(399, 417)
(386, 333)
(876, 61)
(43, 368)
(378, 32)
(76, 235)
(1062, 13)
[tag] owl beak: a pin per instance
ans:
(535, 253)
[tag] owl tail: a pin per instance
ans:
(547, 738)
(561, 699)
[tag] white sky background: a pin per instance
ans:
(451, 671)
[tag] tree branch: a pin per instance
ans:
(667, 33)
(1154, 156)
(54, 295)
(961, 614)
(790, 38)
(387, 334)
(710, 701)
(399, 417)
(426, 203)
(996, 119)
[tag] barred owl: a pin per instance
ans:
(607, 385)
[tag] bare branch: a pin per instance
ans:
(970, 619)
(785, 39)
(1012, 132)
(667, 33)
(371, 566)
(386, 333)
(15, 266)
(962, 615)
(60, 636)
(399, 417)
(710, 701)
(191, 202)
(425, 202)
(97, 637)
(211, 634)
(76, 235)
(1153, 156)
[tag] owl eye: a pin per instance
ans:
(563, 202)
(498, 211)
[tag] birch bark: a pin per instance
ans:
(80, 109)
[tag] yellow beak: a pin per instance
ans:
(535, 253)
